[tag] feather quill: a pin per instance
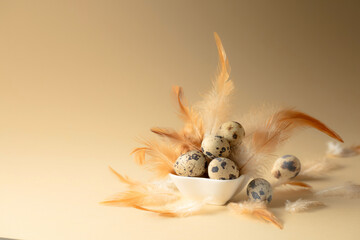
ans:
(347, 190)
(255, 209)
(215, 108)
(302, 205)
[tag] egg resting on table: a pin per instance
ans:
(259, 190)
(232, 131)
(286, 167)
(191, 164)
(215, 146)
(223, 169)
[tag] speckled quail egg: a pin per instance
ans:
(215, 146)
(223, 169)
(232, 131)
(286, 167)
(191, 164)
(259, 190)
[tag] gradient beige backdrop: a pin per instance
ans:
(80, 80)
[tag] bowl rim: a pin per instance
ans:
(207, 179)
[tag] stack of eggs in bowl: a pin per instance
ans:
(212, 159)
(211, 175)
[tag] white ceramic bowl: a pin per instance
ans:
(216, 192)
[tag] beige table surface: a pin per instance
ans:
(80, 80)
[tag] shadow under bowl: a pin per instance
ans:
(212, 191)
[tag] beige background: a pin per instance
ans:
(80, 80)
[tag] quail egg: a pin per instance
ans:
(232, 131)
(259, 190)
(215, 146)
(223, 169)
(286, 167)
(191, 164)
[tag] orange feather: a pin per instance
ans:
(158, 157)
(181, 210)
(180, 140)
(124, 179)
(299, 184)
(299, 119)
(142, 194)
(215, 107)
(193, 129)
(276, 130)
(141, 197)
(256, 209)
(280, 125)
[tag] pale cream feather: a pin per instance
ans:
(347, 190)
(302, 205)
(336, 150)
(317, 168)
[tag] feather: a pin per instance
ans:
(183, 210)
(280, 125)
(124, 179)
(268, 136)
(161, 193)
(215, 108)
(256, 209)
(289, 183)
(158, 156)
(298, 184)
(193, 124)
(141, 197)
(190, 137)
(335, 150)
(347, 190)
(302, 205)
(184, 143)
(143, 194)
(139, 154)
(317, 169)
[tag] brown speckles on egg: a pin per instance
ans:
(191, 164)
(232, 131)
(259, 190)
(277, 174)
(286, 167)
(215, 146)
(223, 169)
